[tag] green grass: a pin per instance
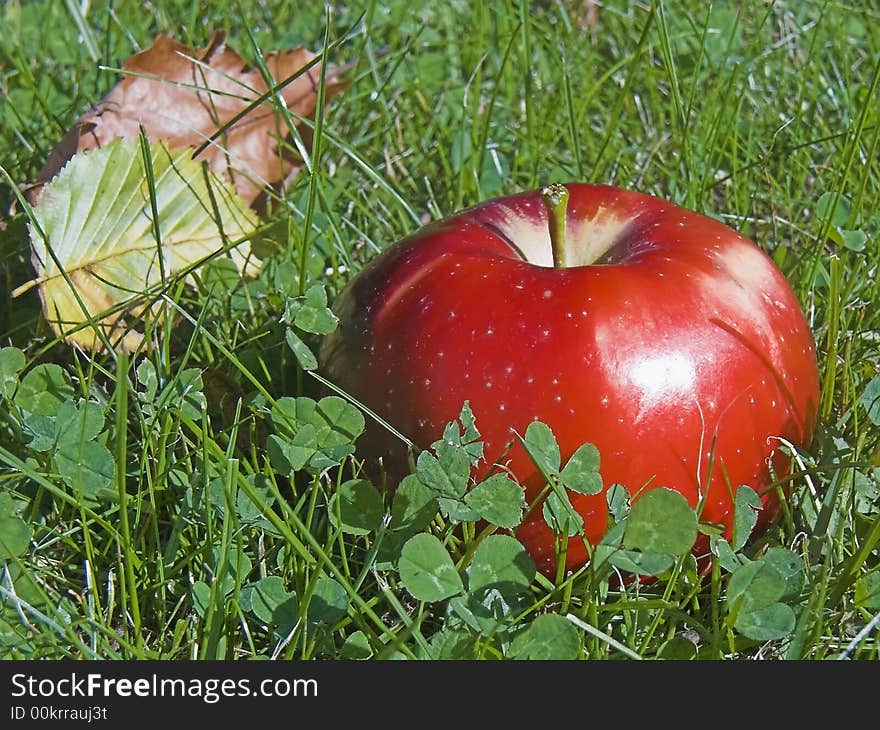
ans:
(199, 545)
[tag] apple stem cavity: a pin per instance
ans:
(556, 199)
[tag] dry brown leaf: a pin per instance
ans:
(586, 13)
(182, 96)
(591, 13)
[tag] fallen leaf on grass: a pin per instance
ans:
(182, 96)
(97, 241)
(586, 13)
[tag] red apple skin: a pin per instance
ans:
(681, 353)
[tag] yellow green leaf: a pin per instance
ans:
(97, 252)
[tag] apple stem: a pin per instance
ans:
(556, 199)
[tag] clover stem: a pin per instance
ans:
(556, 199)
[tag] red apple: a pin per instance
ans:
(663, 337)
